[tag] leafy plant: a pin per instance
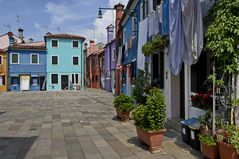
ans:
(207, 139)
(124, 103)
(152, 115)
(153, 46)
(206, 120)
(141, 82)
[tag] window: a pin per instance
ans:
(14, 58)
(75, 78)
(114, 54)
(1, 62)
(93, 79)
(54, 78)
(54, 60)
(34, 58)
(75, 44)
(14, 81)
(134, 26)
(54, 43)
(75, 60)
(96, 78)
(34, 81)
(156, 3)
(124, 36)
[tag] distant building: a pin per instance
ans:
(3, 70)
(110, 60)
(65, 61)
(27, 66)
(5, 42)
(96, 62)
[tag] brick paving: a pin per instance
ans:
(74, 125)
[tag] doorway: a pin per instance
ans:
(64, 81)
(25, 83)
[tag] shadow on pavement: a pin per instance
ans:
(15, 147)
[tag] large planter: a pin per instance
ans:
(153, 139)
(227, 151)
(124, 116)
(210, 152)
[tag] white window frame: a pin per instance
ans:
(78, 60)
(114, 54)
(57, 43)
(58, 61)
(74, 74)
(18, 55)
(1, 61)
(37, 59)
(78, 44)
(57, 78)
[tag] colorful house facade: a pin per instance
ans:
(110, 60)
(65, 65)
(3, 70)
(96, 62)
(27, 66)
(129, 46)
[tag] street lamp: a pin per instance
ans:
(129, 12)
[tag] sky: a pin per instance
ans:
(37, 17)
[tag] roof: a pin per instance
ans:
(64, 36)
(2, 50)
(40, 45)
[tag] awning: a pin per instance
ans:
(14, 75)
(34, 76)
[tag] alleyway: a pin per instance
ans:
(74, 125)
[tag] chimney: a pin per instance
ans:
(85, 46)
(11, 38)
(20, 34)
(31, 40)
(110, 33)
(48, 33)
(119, 12)
(92, 46)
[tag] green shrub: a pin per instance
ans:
(124, 103)
(152, 116)
(207, 139)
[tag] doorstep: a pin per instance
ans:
(174, 124)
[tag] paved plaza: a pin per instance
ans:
(74, 125)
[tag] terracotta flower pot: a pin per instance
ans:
(210, 152)
(153, 139)
(124, 116)
(227, 151)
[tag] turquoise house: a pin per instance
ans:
(65, 64)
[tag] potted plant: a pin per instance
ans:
(149, 120)
(228, 142)
(123, 105)
(209, 146)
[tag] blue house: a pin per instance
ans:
(65, 64)
(129, 45)
(27, 66)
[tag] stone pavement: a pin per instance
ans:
(74, 125)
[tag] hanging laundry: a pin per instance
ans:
(150, 6)
(176, 36)
(151, 24)
(158, 20)
(165, 20)
(192, 30)
(143, 32)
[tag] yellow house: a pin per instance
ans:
(3, 71)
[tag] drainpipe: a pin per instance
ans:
(82, 68)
